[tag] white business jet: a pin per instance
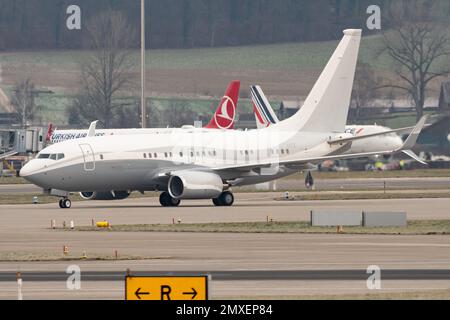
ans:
(205, 164)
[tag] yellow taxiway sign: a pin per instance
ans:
(166, 288)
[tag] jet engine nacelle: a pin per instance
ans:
(195, 185)
(104, 195)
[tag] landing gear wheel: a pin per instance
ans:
(226, 199)
(174, 202)
(65, 203)
(167, 201)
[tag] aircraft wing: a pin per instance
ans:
(408, 144)
(350, 139)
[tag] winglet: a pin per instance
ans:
(412, 138)
(411, 154)
(91, 132)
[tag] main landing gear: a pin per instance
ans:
(225, 199)
(167, 201)
(65, 203)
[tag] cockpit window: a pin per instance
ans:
(53, 156)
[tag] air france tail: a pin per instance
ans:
(326, 107)
(264, 114)
(225, 115)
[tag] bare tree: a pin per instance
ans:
(106, 71)
(23, 101)
(419, 45)
(364, 87)
(177, 114)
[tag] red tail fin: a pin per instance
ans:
(50, 131)
(225, 114)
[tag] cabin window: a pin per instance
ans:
(145, 155)
(246, 152)
(155, 155)
(181, 154)
(282, 151)
(192, 154)
(170, 154)
(149, 155)
(287, 151)
(101, 157)
(165, 154)
(214, 152)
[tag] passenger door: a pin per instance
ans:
(88, 155)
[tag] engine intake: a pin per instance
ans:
(195, 185)
(105, 195)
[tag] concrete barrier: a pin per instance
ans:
(333, 218)
(384, 219)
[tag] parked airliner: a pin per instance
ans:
(383, 138)
(206, 164)
(223, 118)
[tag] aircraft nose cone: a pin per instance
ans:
(25, 171)
(30, 168)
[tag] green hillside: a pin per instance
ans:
(288, 56)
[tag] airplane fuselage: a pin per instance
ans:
(122, 163)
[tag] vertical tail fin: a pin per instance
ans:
(50, 131)
(225, 114)
(326, 107)
(264, 114)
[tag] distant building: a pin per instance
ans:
(435, 137)
(246, 121)
(288, 108)
(7, 119)
(444, 97)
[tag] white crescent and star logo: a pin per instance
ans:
(225, 117)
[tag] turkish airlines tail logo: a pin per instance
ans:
(50, 131)
(226, 110)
